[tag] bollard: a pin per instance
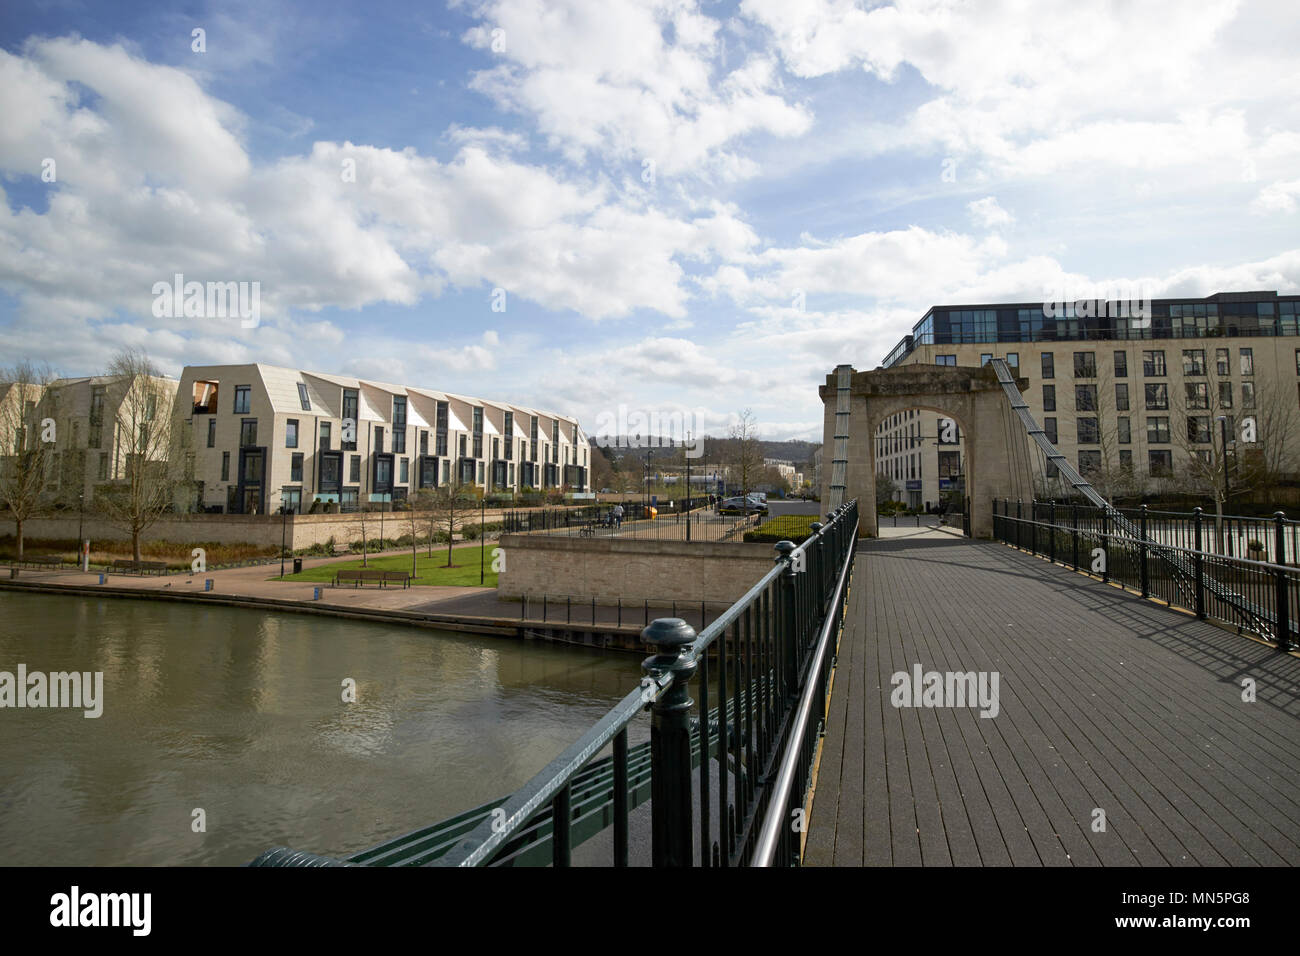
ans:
(672, 839)
(207, 584)
(315, 594)
(101, 578)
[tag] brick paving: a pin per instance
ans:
(1106, 702)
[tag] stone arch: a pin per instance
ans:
(996, 446)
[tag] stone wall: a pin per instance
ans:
(610, 569)
(301, 531)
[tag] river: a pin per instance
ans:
(240, 714)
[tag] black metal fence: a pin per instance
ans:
(599, 521)
(1177, 558)
(742, 751)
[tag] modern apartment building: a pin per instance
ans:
(266, 437)
(1127, 397)
(102, 424)
(921, 451)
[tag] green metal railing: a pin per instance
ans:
(745, 761)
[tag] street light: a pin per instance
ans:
(81, 512)
(284, 520)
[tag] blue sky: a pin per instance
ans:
(688, 205)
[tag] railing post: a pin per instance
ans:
(1142, 553)
(1019, 505)
(672, 836)
(1283, 633)
(819, 565)
(1074, 534)
(1198, 562)
(784, 549)
(1051, 520)
(1105, 546)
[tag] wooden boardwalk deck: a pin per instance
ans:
(1106, 702)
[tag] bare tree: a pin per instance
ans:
(746, 454)
(26, 450)
(449, 506)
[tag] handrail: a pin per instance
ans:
(765, 850)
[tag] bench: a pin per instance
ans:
(42, 561)
(138, 567)
(359, 576)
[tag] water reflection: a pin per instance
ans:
(241, 713)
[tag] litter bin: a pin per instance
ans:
(297, 565)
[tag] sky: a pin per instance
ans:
(613, 208)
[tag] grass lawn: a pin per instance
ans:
(431, 570)
(783, 527)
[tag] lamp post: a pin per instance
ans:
(687, 455)
(284, 520)
(81, 513)
(482, 541)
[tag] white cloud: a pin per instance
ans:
(987, 213)
(1278, 197)
(631, 81)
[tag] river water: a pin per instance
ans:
(239, 713)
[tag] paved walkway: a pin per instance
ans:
(1106, 702)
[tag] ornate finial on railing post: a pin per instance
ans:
(1283, 632)
(670, 742)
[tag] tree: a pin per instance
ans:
(886, 488)
(151, 442)
(449, 506)
(746, 452)
(25, 453)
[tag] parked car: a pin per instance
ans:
(749, 504)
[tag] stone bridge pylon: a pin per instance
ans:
(996, 447)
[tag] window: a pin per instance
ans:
(1121, 364)
(379, 439)
(324, 436)
(1157, 395)
(1049, 398)
(349, 421)
(1247, 361)
(303, 400)
(399, 424)
(242, 393)
(1085, 364)
(478, 435)
(945, 360)
(103, 466)
(354, 468)
(383, 473)
(403, 470)
(463, 446)
(1125, 460)
(1123, 430)
(1222, 363)
(291, 434)
(291, 500)
(1198, 429)
(1049, 366)
(1087, 429)
(1089, 462)
(247, 432)
(1158, 431)
(440, 444)
(1121, 396)
(480, 472)
(1085, 398)
(1193, 361)
(1013, 361)
(1049, 429)
(985, 358)
(1198, 394)
(1160, 463)
(1247, 394)
(205, 398)
(212, 433)
(225, 465)
(1225, 394)
(1297, 361)
(295, 466)
(1153, 364)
